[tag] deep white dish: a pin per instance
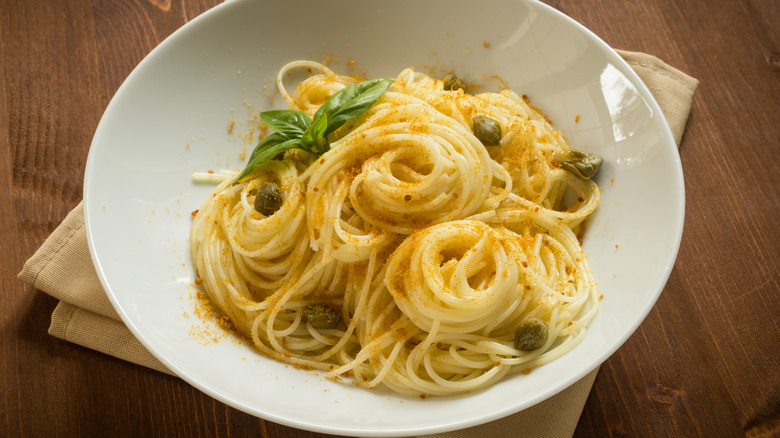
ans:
(170, 117)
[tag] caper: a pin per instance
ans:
(321, 316)
(531, 334)
(487, 130)
(452, 83)
(580, 164)
(268, 199)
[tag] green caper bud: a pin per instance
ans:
(321, 316)
(268, 199)
(580, 164)
(531, 334)
(487, 130)
(452, 83)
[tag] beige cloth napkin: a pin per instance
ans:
(62, 268)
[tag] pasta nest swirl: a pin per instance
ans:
(405, 167)
(484, 278)
(526, 150)
(458, 277)
(242, 256)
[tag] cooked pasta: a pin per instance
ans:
(409, 254)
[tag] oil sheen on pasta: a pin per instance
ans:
(433, 248)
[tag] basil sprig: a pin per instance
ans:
(294, 129)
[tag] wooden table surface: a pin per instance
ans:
(705, 362)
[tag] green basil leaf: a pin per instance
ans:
(314, 139)
(266, 142)
(265, 151)
(294, 129)
(351, 102)
(289, 123)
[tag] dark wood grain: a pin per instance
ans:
(704, 363)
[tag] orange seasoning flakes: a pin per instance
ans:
(203, 308)
(527, 371)
(577, 119)
(485, 44)
(225, 323)
(194, 212)
(205, 312)
(231, 125)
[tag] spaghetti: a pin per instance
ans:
(427, 248)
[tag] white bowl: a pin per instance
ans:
(139, 193)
